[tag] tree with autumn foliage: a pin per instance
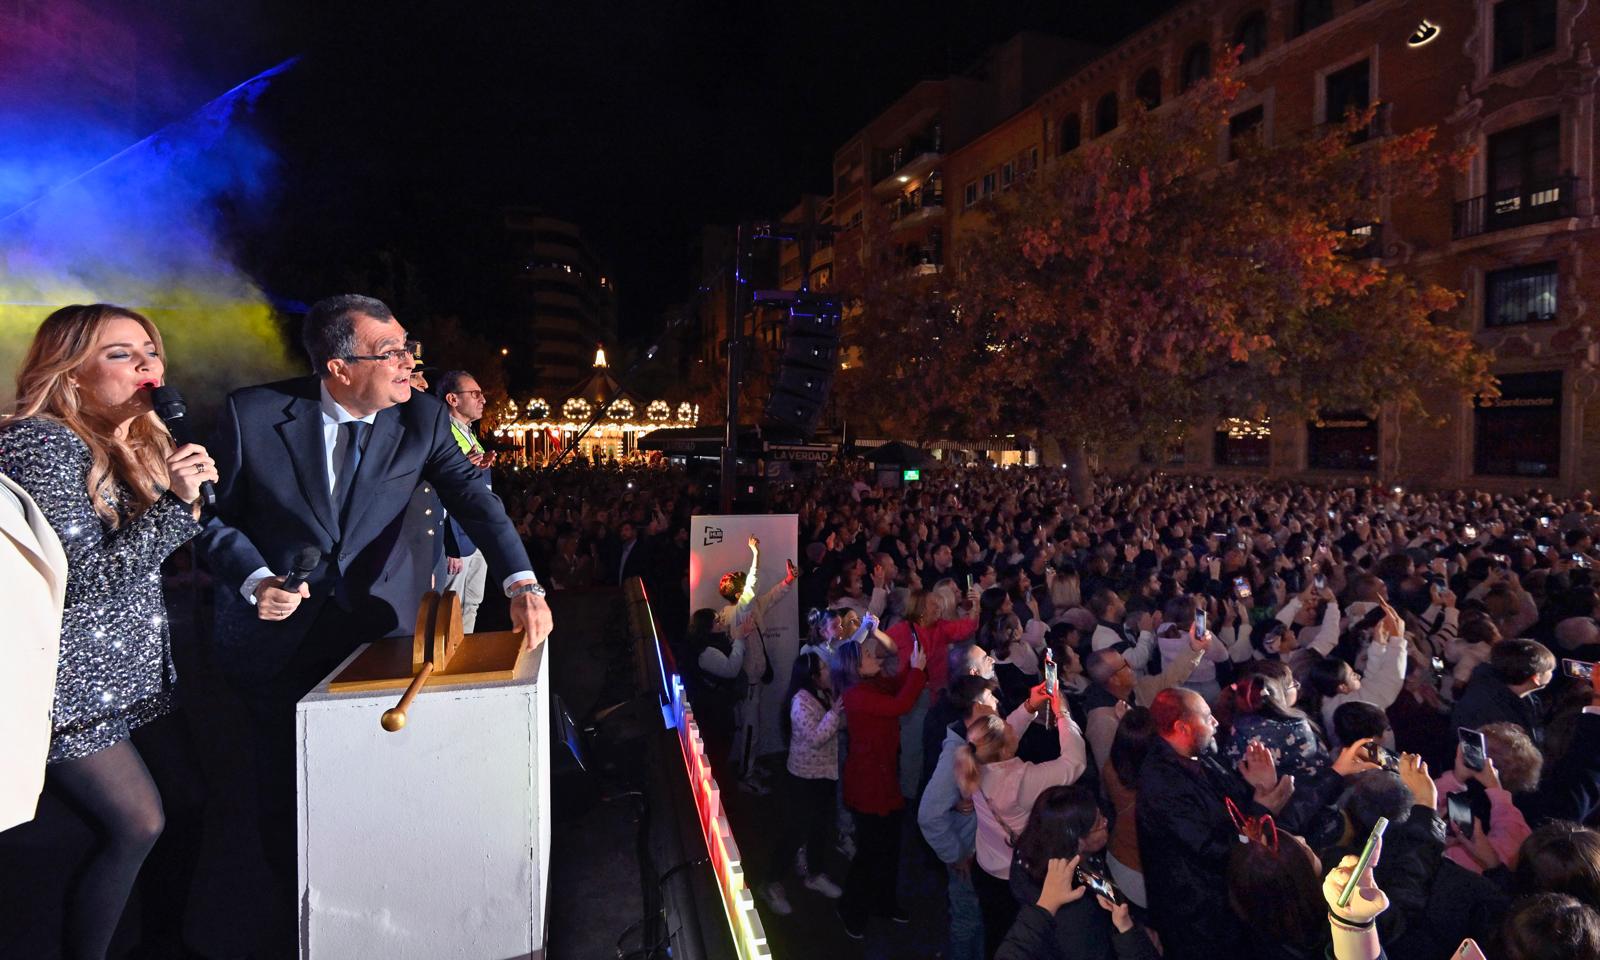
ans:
(1137, 283)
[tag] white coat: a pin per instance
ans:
(33, 587)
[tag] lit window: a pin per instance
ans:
(1518, 434)
(1520, 295)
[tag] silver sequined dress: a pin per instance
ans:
(115, 671)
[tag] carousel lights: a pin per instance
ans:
(621, 421)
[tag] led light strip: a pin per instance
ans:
(749, 937)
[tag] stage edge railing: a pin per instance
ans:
(738, 901)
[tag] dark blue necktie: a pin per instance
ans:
(354, 432)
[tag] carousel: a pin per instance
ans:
(543, 431)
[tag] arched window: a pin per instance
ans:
(1071, 133)
(1105, 114)
(1196, 66)
(1148, 88)
(1251, 35)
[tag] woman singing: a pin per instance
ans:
(85, 443)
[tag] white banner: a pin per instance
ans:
(720, 545)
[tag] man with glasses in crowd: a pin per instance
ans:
(331, 461)
(468, 570)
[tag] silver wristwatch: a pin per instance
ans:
(535, 588)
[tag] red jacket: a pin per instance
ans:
(936, 643)
(872, 711)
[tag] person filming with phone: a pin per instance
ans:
(1070, 908)
(873, 705)
(1002, 788)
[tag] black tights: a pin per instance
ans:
(114, 790)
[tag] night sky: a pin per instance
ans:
(407, 126)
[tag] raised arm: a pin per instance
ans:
(1074, 758)
(1179, 670)
(764, 602)
(1385, 675)
(1327, 635)
(744, 606)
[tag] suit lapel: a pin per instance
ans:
(301, 430)
(374, 467)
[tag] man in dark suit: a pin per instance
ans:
(628, 555)
(332, 461)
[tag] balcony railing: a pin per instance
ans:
(924, 205)
(1537, 202)
(892, 161)
(911, 160)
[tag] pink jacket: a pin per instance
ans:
(1507, 828)
(1007, 789)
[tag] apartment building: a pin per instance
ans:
(564, 304)
(893, 169)
(1514, 80)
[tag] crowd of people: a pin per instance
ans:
(1169, 719)
(1166, 721)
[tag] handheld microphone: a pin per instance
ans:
(175, 414)
(304, 562)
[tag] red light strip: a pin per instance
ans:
(749, 936)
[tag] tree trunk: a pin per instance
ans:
(1082, 482)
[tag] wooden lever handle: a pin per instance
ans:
(395, 718)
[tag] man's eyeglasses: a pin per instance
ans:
(468, 393)
(395, 356)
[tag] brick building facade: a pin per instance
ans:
(1513, 79)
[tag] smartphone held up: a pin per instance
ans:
(1474, 749)
(1364, 861)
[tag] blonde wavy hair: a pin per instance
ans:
(63, 344)
(988, 741)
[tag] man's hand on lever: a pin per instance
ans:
(530, 616)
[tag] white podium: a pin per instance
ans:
(433, 841)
